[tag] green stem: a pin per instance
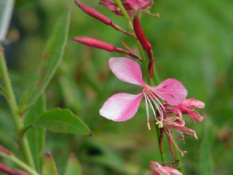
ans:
(118, 2)
(20, 163)
(14, 109)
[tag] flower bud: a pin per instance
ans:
(95, 43)
(92, 12)
(140, 34)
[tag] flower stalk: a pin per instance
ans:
(14, 109)
(149, 79)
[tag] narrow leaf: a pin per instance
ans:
(206, 164)
(52, 56)
(73, 166)
(49, 167)
(62, 121)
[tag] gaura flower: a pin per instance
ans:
(123, 106)
(158, 169)
(129, 5)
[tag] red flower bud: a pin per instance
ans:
(95, 43)
(140, 34)
(102, 45)
(92, 12)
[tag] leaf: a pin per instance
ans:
(206, 164)
(49, 167)
(36, 136)
(52, 56)
(70, 90)
(62, 121)
(73, 166)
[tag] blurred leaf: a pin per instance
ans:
(73, 166)
(110, 158)
(206, 164)
(36, 136)
(49, 167)
(52, 56)
(71, 92)
(63, 121)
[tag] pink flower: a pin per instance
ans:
(129, 5)
(123, 106)
(158, 169)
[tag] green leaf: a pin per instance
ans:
(62, 121)
(70, 90)
(52, 56)
(73, 166)
(206, 163)
(49, 167)
(36, 136)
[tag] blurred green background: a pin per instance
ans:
(192, 42)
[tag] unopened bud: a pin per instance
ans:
(4, 150)
(92, 12)
(140, 34)
(102, 45)
(94, 43)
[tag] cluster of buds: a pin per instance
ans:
(167, 100)
(138, 31)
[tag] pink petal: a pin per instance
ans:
(194, 115)
(121, 106)
(158, 169)
(126, 70)
(172, 91)
(172, 171)
(193, 103)
(139, 4)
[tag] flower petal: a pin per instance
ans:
(172, 171)
(139, 4)
(126, 70)
(193, 103)
(194, 115)
(121, 106)
(172, 91)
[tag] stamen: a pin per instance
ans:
(157, 106)
(158, 101)
(147, 112)
(148, 99)
(148, 125)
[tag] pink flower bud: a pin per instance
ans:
(92, 12)
(95, 43)
(140, 34)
